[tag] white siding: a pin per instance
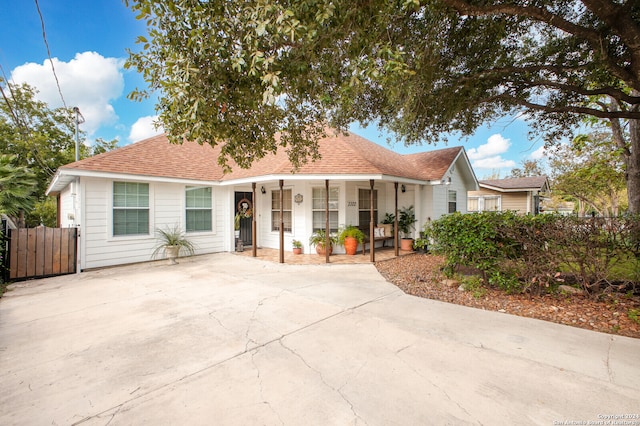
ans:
(166, 208)
(69, 215)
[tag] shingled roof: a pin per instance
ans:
(530, 183)
(342, 154)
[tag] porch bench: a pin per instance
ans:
(367, 239)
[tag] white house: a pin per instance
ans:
(119, 198)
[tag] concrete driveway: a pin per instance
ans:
(229, 340)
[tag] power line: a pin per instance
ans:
(44, 36)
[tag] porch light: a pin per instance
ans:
(262, 190)
(403, 189)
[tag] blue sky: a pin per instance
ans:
(88, 41)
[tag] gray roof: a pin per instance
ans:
(531, 183)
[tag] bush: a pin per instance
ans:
(519, 253)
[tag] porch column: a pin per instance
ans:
(253, 223)
(326, 224)
(372, 250)
(281, 221)
(396, 241)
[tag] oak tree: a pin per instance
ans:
(238, 72)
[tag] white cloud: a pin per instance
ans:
(488, 156)
(88, 81)
(145, 127)
(496, 162)
(495, 145)
(538, 154)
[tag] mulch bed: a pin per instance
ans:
(419, 275)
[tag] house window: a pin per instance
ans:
(485, 203)
(275, 210)
(473, 204)
(364, 207)
(319, 205)
(453, 205)
(130, 208)
(198, 214)
(492, 204)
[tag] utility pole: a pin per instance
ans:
(78, 117)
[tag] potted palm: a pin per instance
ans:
(350, 237)
(297, 247)
(171, 241)
(319, 238)
(406, 223)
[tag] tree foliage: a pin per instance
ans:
(591, 172)
(17, 185)
(236, 72)
(39, 137)
(529, 168)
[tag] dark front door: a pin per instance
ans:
(244, 206)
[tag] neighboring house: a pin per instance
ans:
(119, 198)
(518, 194)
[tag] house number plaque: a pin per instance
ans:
(298, 198)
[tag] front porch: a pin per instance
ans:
(273, 255)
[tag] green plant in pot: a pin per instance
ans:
(297, 247)
(406, 223)
(350, 237)
(172, 241)
(236, 224)
(319, 238)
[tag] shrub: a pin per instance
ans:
(534, 253)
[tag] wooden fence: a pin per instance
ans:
(41, 252)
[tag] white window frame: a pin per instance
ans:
(113, 207)
(275, 226)
(334, 208)
(199, 208)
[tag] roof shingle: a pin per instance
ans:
(341, 154)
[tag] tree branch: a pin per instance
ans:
(592, 36)
(609, 91)
(563, 109)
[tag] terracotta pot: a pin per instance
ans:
(406, 244)
(320, 250)
(351, 245)
(297, 250)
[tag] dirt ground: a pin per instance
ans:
(419, 275)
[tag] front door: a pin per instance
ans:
(244, 206)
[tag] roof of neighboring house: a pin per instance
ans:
(531, 183)
(342, 154)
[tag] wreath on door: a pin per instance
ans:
(245, 208)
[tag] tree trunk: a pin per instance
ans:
(633, 167)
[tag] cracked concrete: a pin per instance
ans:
(224, 339)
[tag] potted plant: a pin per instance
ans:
(388, 223)
(406, 223)
(236, 224)
(319, 238)
(422, 243)
(350, 237)
(171, 241)
(297, 247)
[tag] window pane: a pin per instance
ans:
(491, 203)
(198, 197)
(199, 220)
(472, 204)
(275, 210)
(319, 220)
(130, 208)
(130, 221)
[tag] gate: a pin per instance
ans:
(41, 252)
